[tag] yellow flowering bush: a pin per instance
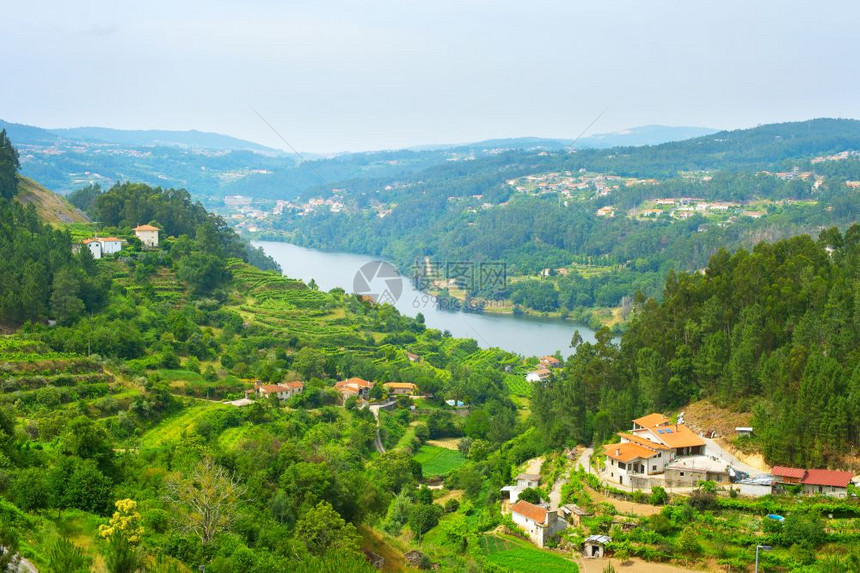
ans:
(125, 520)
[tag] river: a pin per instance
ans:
(529, 336)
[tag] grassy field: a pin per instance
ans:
(518, 555)
(230, 437)
(406, 439)
(79, 527)
(447, 443)
(436, 461)
(172, 428)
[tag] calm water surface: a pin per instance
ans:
(521, 334)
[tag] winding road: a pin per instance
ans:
(374, 409)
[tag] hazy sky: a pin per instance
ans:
(335, 75)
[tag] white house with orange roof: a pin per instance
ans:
(101, 246)
(284, 390)
(353, 387)
(647, 449)
(540, 524)
(148, 235)
(538, 375)
(400, 388)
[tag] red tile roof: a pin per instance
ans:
(833, 478)
(272, 388)
(285, 387)
(146, 228)
(529, 510)
(677, 436)
(400, 385)
(628, 451)
(782, 471)
(358, 382)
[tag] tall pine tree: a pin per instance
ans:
(9, 166)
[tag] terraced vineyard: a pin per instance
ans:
(517, 555)
(163, 285)
(289, 307)
(33, 376)
(518, 385)
(497, 359)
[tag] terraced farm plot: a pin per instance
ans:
(436, 461)
(519, 555)
(518, 385)
(34, 376)
(172, 428)
(194, 384)
(289, 306)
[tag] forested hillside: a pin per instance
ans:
(597, 220)
(42, 278)
(775, 331)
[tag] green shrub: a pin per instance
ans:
(530, 495)
(658, 496)
(803, 529)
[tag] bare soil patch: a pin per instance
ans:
(447, 443)
(703, 416)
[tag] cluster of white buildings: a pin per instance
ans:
(102, 246)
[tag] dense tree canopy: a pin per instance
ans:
(469, 211)
(775, 330)
(9, 166)
(40, 277)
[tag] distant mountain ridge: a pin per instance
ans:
(69, 159)
(636, 136)
(644, 135)
(633, 137)
(25, 134)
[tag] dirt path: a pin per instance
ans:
(585, 459)
(26, 566)
(633, 565)
(377, 441)
(534, 466)
(555, 493)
